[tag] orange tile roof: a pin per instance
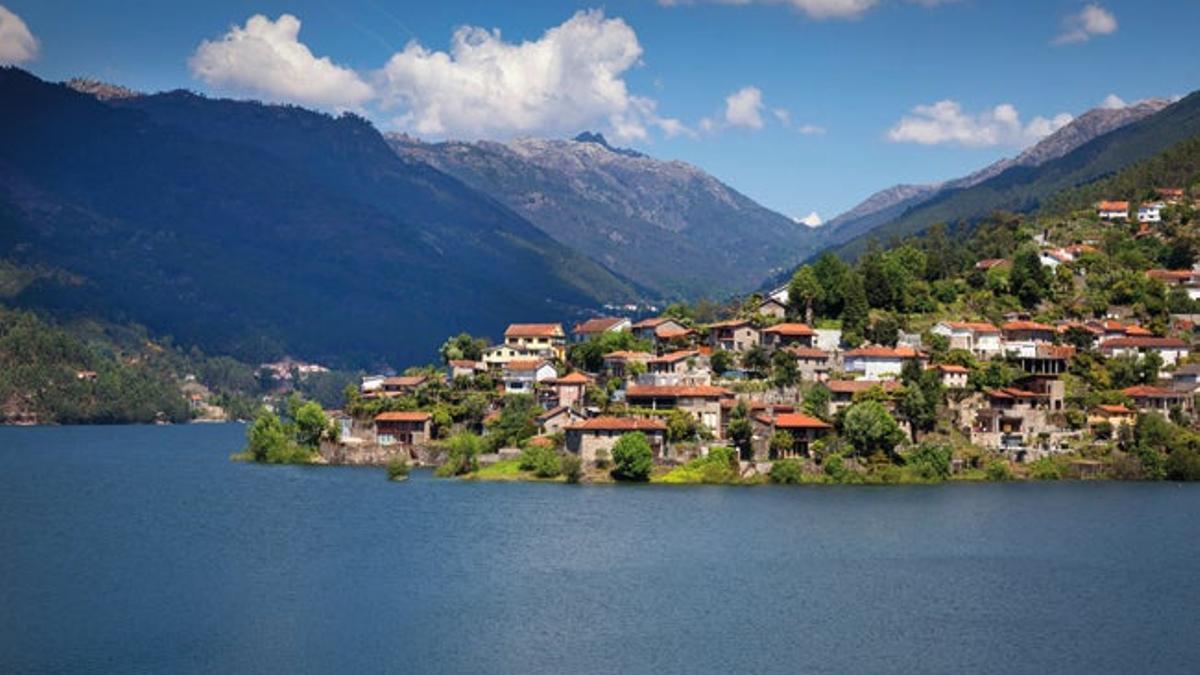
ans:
(882, 353)
(402, 417)
(619, 424)
(1026, 325)
(623, 355)
(534, 330)
(596, 325)
(808, 352)
(951, 368)
(675, 356)
(1112, 206)
(463, 363)
(728, 323)
(799, 421)
(653, 322)
(676, 391)
(1171, 275)
(524, 364)
(790, 329)
(404, 380)
(1114, 409)
(573, 378)
(973, 326)
(989, 263)
(667, 333)
(1142, 341)
(1148, 391)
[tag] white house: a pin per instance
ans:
(1054, 257)
(953, 376)
(1109, 210)
(1172, 350)
(978, 337)
(520, 377)
(878, 363)
(1150, 212)
(827, 339)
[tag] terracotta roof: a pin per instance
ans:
(462, 363)
(1064, 326)
(1148, 391)
(534, 330)
(653, 322)
(808, 352)
(1055, 351)
(402, 417)
(790, 329)
(1171, 275)
(1147, 342)
(1079, 249)
(541, 441)
(1170, 192)
(573, 378)
(1112, 206)
(627, 355)
(799, 421)
(989, 263)
(973, 326)
(951, 368)
(524, 364)
(676, 391)
(1114, 409)
(729, 323)
(404, 380)
(1026, 325)
(597, 325)
(1011, 392)
(667, 333)
(882, 353)
(553, 412)
(855, 386)
(675, 356)
(619, 424)
(1138, 331)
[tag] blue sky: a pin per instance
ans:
(805, 105)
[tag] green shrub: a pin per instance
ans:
(1183, 464)
(787, 472)
(632, 457)
(541, 460)
(930, 461)
(571, 467)
(462, 455)
(998, 470)
(835, 468)
(397, 468)
(1047, 468)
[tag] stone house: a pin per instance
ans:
(842, 392)
(684, 367)
(1116, 415)
(588, 437)
(571, 389)
(953, 376)
(403, 428)
(1148, 398)
(788, 335)
(802, 428)
(735, 335)
(772, 308)
(558, 419)
(591, 328)
(457, 368)
(702, 401)
(616, 364)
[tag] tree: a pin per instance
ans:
(784, 370)
(516, 423)
(787, 472)
(816, 401)
(740, 431)
(856, 312)
(462, 455)
(918, 404)
(756, 359)
(589, 355)
(311, 425)
(266, 437)
(1028, 278)
(720, 361)
(885, 331)
(931, 460)
(632, 457)
(782, 444)
(462, 346)
(832, 272)
(804, 291)
(681, 426)
(869, 428)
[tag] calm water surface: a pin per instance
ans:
(145, 549)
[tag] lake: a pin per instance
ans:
(145, 549)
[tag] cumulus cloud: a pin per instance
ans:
(1089, 22)
(814, 9)
(265, 58)
(945, 122)
(812, 220)
(17, 44)
(811, 130)
(570, 78)
(1113, 102)
(743, 108)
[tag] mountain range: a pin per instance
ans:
(666, 225)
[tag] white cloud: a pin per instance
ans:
(1113, 102)
(744, 107)
(570, 78)
(811, 130)
(1089, 22)
(945, 122)
(266, 59)
(812, 220)
(814, 9)
(17, 44)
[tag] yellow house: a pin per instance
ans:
(537, 337)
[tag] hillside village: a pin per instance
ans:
(1006, 365)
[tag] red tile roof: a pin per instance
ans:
(534, 330)
(672, 357)
(1144, 342)
(627, 355)
(799, 421)
(653, 322)
(973, 326)
(809, 353)
(989, 263)
(1114, 409)
(1148, 391)
(1112, 206)
(402, 417)
(573, 378)
(404, 380)
(597, 325)
(882, 353)
(462, 363)
(729, 323)
(524, 364)
(951, 368)
(676, 391)
(1171, 275)
(790, 329)
(1026, 325)
(619, 424)
(668, 333)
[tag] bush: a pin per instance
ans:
(541, 460)
(1047, 468)
(397, 469)
(835, 468)
(632, 457)
(462, 455)
(787, 472)
(1184, 465)
(998, 470)
(930, 461)
(571, 467)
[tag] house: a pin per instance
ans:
(1172, 350)
(649, 329)
(980, 338)
(496, 356)
(589, 437)
(813, 364)
(457, 368)
(780, 295)
(402, 428)
(703, 401)
(788, 335)
(1009, 416)
(1185, 279)
(683, 367)
(1054, 257)
(1040, 358)
(1111, 210)
(842, 392)
(538, 338)
(371, 384)
(953, 376)
(402, 385)
(616, 364)
(598, 326)
(990, 263)
(558, 419)
(772, 308)
(802, 428)
(1148, 398)
(1090, 333)
(520, 377)
(571, 389)
(1022, 331)
(734, 335)
(827, 339)
(1170, 195)
(878, 363)
(1186, 378)
(1116, 415)
(1150, 212)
